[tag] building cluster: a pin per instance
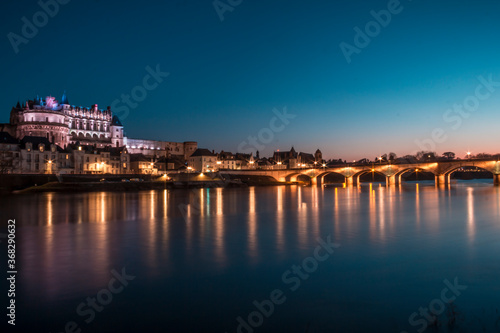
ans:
(204, 160)
(48, 136)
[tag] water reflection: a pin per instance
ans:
(72, 241)
(252, 225)
(219, 239)
(280, 220)
(471, 230)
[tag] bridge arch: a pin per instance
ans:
(298, 176)
(321, 178)
(491, 166)
(448, 173)
(292, 177)
(357, 176)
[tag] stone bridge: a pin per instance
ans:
(393, 172)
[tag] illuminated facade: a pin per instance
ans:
(63, 124)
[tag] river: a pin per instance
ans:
(260, 259)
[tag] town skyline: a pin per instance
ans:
(253, 144)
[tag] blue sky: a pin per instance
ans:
(226, 77)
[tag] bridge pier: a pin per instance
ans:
(441, 180)
(390, 180)
(496, 179)
(349, 181)
(314, 181)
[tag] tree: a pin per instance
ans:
(483, 155)
(410, 158)
(449, 155)
(426, 156)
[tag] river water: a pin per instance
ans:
(261, 259)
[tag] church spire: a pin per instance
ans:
(64, 99)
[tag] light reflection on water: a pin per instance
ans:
(234, 244)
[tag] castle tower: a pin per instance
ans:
(116, 130)
(318, 156)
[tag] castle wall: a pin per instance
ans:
(64, 124)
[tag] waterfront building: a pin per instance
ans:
(292, 159)
(48, 136)
(63, 124)
(230, 161)
(39, 156)
(203, 160)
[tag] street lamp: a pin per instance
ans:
(468, 154)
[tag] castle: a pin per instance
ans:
(48, 136)
(63, 124)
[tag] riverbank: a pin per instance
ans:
(119, 183)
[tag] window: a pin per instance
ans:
(67, 156)
(87, 159)
(47, 119)
(36, 158)
(28, 158)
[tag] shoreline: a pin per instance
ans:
(132, 186)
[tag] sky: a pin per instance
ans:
(240, 75)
